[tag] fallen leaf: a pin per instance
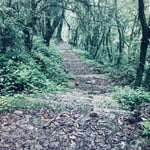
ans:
(72, 137)
(18, 112)
(46, 116)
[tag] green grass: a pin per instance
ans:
(22, 101)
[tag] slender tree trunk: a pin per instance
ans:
(27, 38)
(74, 38)
(144, 44)
(33, 16)
(121, 45)
(30, 29)
(59, 31)
(47, 34)
(108, 45)
(120, 32)
(60, 26)
(99, 45)
(147, 79)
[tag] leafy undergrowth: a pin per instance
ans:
(137, 101)
(32, 71)
(130, 98)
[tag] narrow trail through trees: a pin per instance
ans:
(90, 118)
(89, 82)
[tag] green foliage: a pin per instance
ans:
(123, 75)
(11, 36)
(7, 103)
(49, 61)
(40, 70)
(130, 98)
(3, 104)
(146, 130)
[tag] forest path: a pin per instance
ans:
(90, 83)
(89, 120)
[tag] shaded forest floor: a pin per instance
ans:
(90, 119)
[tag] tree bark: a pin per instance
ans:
(60, 26)
(59, 31)
(50, 29)
(147, 79)
(28, 38)
(144, 44)
(120, 32)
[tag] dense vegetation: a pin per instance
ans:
(27, 64)
(102, 28)
(114, 33)
(111, 32)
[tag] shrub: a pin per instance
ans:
(27, 72)
(130, 98)
(123, 75)
(49, 61)
(146, 125)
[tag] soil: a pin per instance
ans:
(88, 119)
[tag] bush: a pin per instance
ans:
(130, 98)
(50, 62)
(11, 36)
(146, 128)
(123, 75)
(28, 72)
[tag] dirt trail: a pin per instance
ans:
(90, 120)
(89, 82)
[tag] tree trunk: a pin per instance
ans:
(120, 46)
(33, 16)
(147, 79)
(144, 45)
(9, 3)
(59, 31)
(50, 29)
(120, 32)
(27, 38)
(60, 26)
